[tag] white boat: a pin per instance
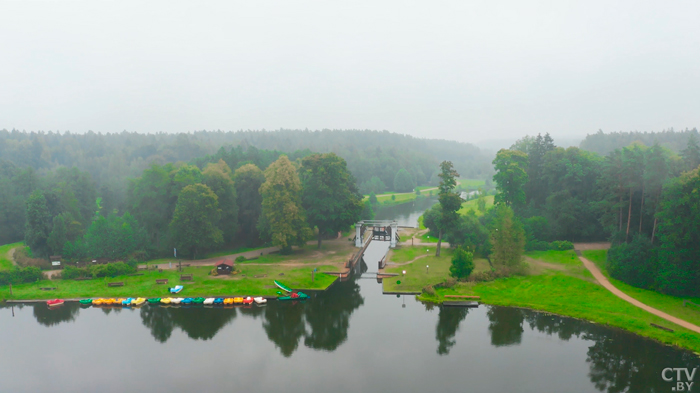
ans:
(209, 301)
(176, 300)
(260, 300)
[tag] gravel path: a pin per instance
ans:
(606, 283)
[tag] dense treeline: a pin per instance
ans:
(644, 199)
(194, 207)
(605, 143)
(374, 158)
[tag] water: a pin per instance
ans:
(348, 339)
(405, 214)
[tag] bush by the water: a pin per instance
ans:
(21, 275)
(106, 270)
(462, 263)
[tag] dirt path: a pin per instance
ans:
(606, 283)
(406, 263)
(11, 254)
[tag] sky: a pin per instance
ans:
(462, 70)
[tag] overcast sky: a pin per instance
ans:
(464, 70)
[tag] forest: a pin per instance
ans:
(605, 143)
(644, 199)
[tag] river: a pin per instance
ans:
(350, 338)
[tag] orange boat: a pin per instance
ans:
(228, 301)
(54, 302)
(237, 300)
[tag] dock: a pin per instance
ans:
(455, 303)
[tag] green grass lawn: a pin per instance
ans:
(567, 257)
(473, 205)
(417, 277)
(244, 283)
(471, 183)
(229, 251)
(566, 295)
(5, 261)
(669, 304)
(427, 238)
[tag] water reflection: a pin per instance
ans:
(449, 319)
(505, 325)
(53, 316)
(329, 318)
(199, 323)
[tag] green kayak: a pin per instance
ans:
(299, 296)
(154, 300)
(198, 300)
(85, 301)
(282, 286)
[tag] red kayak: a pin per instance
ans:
(54, 302)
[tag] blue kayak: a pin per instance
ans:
(176, 289)
(219, 300)
(126, 302)
(187, 300)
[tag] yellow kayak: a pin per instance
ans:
(119, 301)
(165, 300)
(228, 300)
(108, 302)
(138, 301)
(238, 300)
(98, 302)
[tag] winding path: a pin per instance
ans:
(607, 285)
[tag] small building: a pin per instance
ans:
(224, 267)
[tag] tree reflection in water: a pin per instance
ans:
(199, 323)
(449, 319)
(506, 326)
(329, 316)
(53, 316)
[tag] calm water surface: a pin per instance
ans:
(350, 338)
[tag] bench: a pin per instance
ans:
(115, 284)
(186, 277)
(47, 289)
(162, 281)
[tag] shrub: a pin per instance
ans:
(634, 263)
(240, 258)
(537, 245)
(70, 272)
(112, 269)
(562, 245)
(462, 263)
(21, 275)
(429, 290)
(449, 283)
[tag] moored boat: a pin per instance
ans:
(54, 302)
(259, 300)
(126, 302)
(85, 301)
(228, 301)
(187, 300)
(176, 300)
(198, 300)
(248, 300)
(219, 301)
(98, 302)
(165, 300)
(237, 300)
(208, 301)
(138, 301)
(282, 286)
(154, 300)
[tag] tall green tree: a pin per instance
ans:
(655, 175)
(691, 153)
(329, 195)
(373, 185)
(507, 238)
(403, 181)
(511, 177)
(247, 179)
(283, 217)
(218, 178)
(450, 202)
(151, 201)
(194, 221)
(38, 225)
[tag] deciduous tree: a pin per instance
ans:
(193, 227)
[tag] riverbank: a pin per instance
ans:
(252, 278)
(558, 283)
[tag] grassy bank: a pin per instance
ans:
(5, 259)
(669, 304)
(473, 205)
(558, 283)
(251, 280)
(417, 276)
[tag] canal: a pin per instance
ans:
(351, 338)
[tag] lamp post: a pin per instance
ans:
(426, 269)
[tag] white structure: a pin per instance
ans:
(376, 224)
